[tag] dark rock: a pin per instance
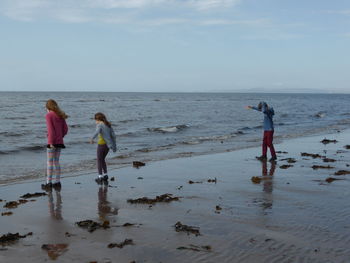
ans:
(140, 178)
(165, 198)
(185, 228)
(112, 179)
(212, 180)
(121, 244)
(347, 147)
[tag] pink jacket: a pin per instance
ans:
(56, 128)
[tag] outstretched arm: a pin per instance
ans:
(252, 108)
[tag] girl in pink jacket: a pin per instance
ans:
(56, 129)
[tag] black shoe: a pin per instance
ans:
(262, 158)
(105, 178)
(47, 187)
(57, 186)
(99, 180)
(273, 159)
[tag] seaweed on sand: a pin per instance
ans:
(179, 227)
(313, 155)
(165, 198)
(326, 141)
(342, 172)
(28, 195)
(315, 167)
(196, 248)
(10, 238)
(121, 244)
(91, 226)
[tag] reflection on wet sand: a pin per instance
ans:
(267, 177)
(55, 208)
(104, 207)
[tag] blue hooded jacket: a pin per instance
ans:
(268, 116)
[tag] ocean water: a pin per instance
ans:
(154, 126)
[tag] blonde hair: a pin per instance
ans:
(53, 106)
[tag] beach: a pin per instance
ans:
(290, 213)
(154, 126)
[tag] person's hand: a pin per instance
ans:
(92, 141)
(248, 107)
(52, 146)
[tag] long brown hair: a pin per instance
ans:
(53, 106)
(99, 116)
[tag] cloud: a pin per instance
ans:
(78, 11)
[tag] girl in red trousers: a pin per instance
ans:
(268, 130)
(56, 129)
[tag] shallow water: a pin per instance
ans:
(153, 126)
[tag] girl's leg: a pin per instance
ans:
(264, 144)
(57, 166)
(269, 143)
(50, 165)
(99, 159)
(104, 165)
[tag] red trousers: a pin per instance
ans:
(267, 142)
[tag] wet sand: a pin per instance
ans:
(292, 215)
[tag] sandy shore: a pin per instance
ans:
(292, 215)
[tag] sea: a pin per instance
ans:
(154, 126)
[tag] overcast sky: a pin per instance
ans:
(175, 45)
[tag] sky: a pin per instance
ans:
(175, 45)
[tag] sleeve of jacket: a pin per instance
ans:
(264, 108)
(114, 140)
(50, 129)
(97, 131)
(255, 108)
